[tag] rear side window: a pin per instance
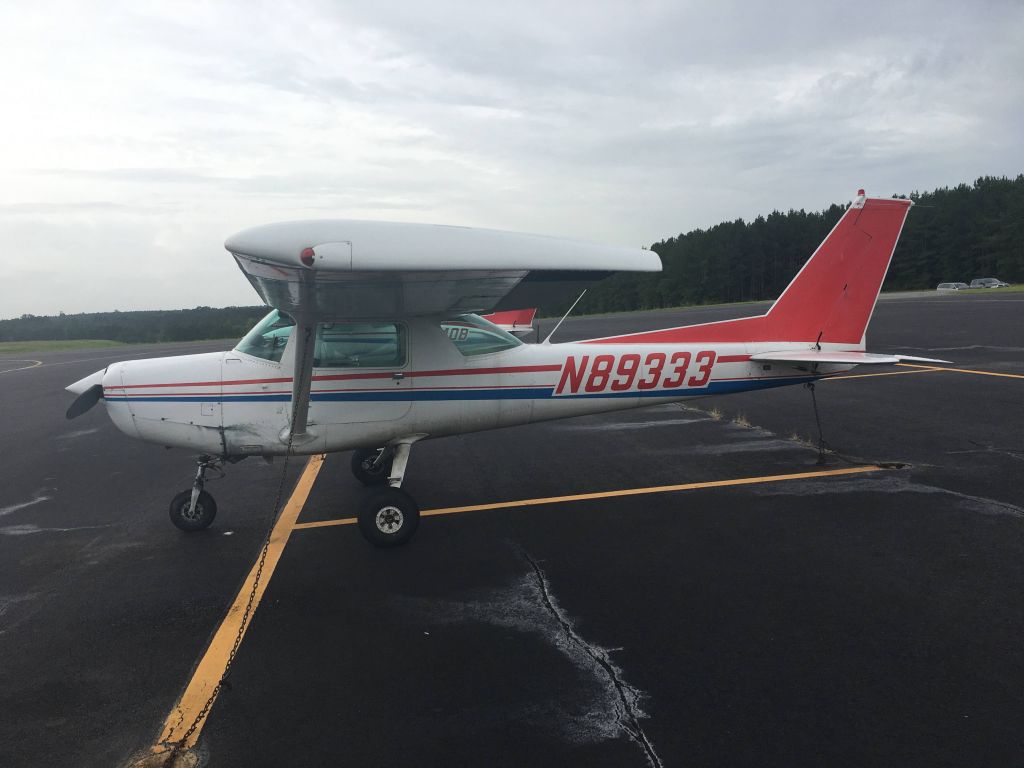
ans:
(473, 335)
(360, 345)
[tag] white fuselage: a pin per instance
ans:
(232, 404)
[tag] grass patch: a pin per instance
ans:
(796, 437)
(1014, 288)
(22, 347)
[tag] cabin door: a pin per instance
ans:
(360, 373)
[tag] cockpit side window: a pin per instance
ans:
(472, 335)
(268, 338)
(338, 345)
(359, 345)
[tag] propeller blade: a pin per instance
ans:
(85, 401)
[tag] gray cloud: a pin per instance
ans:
(144, 135)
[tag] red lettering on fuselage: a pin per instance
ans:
(628, 367)
(599, 371)
(681, 361)
(704, 362)
(572, 373)
(655, 363)
(656, 371)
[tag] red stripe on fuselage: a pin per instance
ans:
(740, 331)
(354, 376)
(239, 382)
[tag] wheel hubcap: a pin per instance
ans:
(389, 519)
(195, 514)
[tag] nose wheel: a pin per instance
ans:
(193, 517)
(388, 516)
(195, 509)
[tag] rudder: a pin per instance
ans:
(832, 297)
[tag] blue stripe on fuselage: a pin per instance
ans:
(528, 393)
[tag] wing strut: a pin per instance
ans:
(305, 342)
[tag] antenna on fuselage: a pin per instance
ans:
(548, 339)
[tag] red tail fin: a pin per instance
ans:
(835, 293)
(832, 297)
(513, 320)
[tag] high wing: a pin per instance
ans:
(346, 270)
(360, 269)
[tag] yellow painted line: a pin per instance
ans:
(964, 370)
(35, 364)
(211, 668)
(328, 523)
(614, 494)
(887, 373)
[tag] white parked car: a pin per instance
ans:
(951, 286)
(988, 282)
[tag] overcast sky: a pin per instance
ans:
(137, 136)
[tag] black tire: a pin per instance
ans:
(389, 517)
(362, 459)
(202, 516)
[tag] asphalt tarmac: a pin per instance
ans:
(867, 618)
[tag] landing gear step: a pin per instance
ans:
(372, 466)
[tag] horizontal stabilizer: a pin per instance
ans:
(851, 357)
(517, 321)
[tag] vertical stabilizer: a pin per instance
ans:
(831, 298)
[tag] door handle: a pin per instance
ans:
(397, 376)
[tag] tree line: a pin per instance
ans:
(144, 326)
(952, 234)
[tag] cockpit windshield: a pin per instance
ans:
(268, 338)
(473, 335)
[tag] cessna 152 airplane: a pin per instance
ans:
(372, 344)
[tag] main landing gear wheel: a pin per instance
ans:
(389, 517)
(370, 467)
(199, 518)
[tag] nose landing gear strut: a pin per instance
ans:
(194, 509)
